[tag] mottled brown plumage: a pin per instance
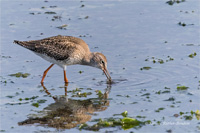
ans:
(64, 51)
(57, 47)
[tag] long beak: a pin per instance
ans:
(107, 74)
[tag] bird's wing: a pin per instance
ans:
(58, 47)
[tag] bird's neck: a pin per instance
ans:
(89, 59)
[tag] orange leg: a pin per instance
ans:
(45, 73)
(65, 77)
(66, 85)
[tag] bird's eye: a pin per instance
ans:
(102, 62)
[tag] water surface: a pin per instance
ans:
(147, 44)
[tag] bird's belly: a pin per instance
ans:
(61, 63)
(52, 60)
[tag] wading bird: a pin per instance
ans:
(65, 51)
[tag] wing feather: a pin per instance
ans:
(57, 47)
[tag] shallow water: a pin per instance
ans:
(134, 35)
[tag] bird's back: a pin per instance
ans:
(57, 47)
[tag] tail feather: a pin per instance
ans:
(25, 44)
(16, 41)
(19, 42)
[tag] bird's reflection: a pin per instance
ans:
(67, 113)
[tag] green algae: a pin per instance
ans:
(125, 123)
(84, 94)
(124, 114)
(35, 104)
(99, 93)
(181, 24)
(159, 109)
(81, 72)
(31, 98)
(86, 17)
(190, 115)
(41, 101)
(162, 92)
(10, 96)
(159, 60)
(20, 103)
(50, 12)
(170, 99)
(182, 88)
(20, 74)
(75, 90)
(192, 55)
(172, 2)
(146, 94)
(128, 123)
(145, 68)
(62, 27)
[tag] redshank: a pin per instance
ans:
(65, 51)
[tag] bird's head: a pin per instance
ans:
(99, 61)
